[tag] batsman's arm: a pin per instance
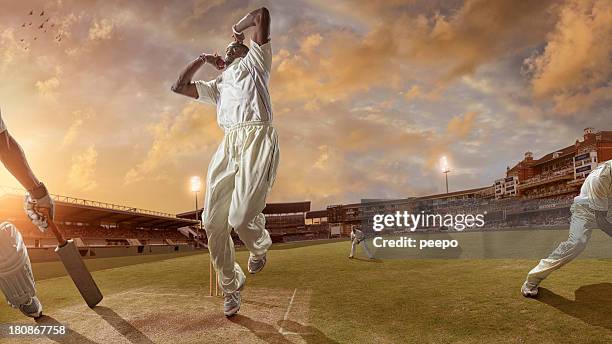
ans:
(14, 159)
(602, 222)
(260, 19)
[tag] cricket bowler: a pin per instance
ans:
(357, 237)
(16, 279)
(242, 170)
(590, 210)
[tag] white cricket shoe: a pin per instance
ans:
(256, 265)
(231, 303)
(32, 309)
(529, 289)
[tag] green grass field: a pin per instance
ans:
(313, 294)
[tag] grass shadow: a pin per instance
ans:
(126, 329)
(592, 303)
(262, 330)
(69, 337)
(374, 260)
(310, 334)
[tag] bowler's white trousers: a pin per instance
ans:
(240, 176)
(582, 222)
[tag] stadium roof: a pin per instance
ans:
(76, 210)
(271, 208)
(316, 214)
(287, 208)
(561, 154)
(456, 193)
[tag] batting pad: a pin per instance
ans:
(16, 279)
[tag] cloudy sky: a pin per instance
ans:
(366, 95)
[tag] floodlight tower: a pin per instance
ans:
(445, 169)
(196, 185)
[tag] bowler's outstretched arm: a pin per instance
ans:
(184, 84)
(260, 19)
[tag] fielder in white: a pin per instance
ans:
(16, 279)
(357, 237)
(242, 171)
(590, 210)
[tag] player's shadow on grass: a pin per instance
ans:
(375, 260)
(126, 329)
(69, 337)
(260, 304)
(271, 334)
(592, 305)
(310, 334)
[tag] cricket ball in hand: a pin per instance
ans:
(220, 63)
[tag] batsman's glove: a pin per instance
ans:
(38, 199)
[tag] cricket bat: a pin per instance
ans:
(70, 257)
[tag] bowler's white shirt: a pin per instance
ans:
(241, 91)
(597, 188)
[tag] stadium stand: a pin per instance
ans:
(98, 224)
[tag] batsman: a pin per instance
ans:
(357, 237)
(590, 210)
(16, 279)
(243, 169)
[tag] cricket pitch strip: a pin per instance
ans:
(151, 315)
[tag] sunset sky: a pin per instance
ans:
(367, 95)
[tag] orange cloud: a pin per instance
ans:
(575, 67)
(81, 175)
(191, 131)
(461, 126)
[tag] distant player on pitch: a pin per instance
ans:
(357, 237)
(243, 169)
(591, 209)
(16, 279)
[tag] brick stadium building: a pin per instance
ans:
(96, 226)
(557, 174)
(534, 192)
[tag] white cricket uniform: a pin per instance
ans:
(16, 279)
(357, 237)
(595, 194)
(2, 126)
(243, 169)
